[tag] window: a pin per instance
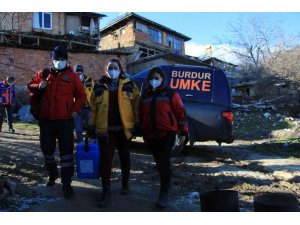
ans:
(155, 35)
(85, 21)
(42, 20)
(122, 31)
(170, 40)
(177, 46)
(141, 27)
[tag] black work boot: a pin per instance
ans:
(68, 191)
(51, 180)
(105, 198)
(162, 201)
(11, 130)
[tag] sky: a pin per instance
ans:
(207, 29)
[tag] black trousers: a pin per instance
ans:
(9, 115)
(107, 146)
(161, 150)
(62, 130)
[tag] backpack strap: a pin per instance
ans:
(169, 93)
(99, 89)
(128, 87)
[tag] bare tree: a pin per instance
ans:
(13, 21)
(258, 42)
(286, 65)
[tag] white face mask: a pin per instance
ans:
(114, 74)
(59, 64)
(155, 83)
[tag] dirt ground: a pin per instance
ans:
(206, 167)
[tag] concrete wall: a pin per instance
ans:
(116, 40)
(23, 22)
(13, 21)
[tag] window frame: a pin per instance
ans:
(160, 41)
(141, 27)
(121, 31)
(167, 40)
(43, 21)
(176, 41)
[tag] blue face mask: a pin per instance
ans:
(114, 74)
(155, 83)
(59, 64)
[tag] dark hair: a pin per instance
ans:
(122, 74)
(10, 79)
(78, 68)
(156, 70)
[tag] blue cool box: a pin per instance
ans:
(88, 160)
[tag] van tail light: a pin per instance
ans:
(228, 116)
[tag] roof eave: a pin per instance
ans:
(184, 37)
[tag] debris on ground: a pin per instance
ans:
(253, 164)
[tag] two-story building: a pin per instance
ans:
(26, 39)
(149, 42)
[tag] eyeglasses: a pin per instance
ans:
(154, 78)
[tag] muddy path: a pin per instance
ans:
(206, 167)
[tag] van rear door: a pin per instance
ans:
(193, 84)
(206, 95)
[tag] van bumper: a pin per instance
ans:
(201, 132)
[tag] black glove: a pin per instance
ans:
(186, 134)
(45, 73)
(91, 131)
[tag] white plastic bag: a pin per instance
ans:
(178, 145)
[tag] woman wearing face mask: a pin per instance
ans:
(162, 115)
(113, 118)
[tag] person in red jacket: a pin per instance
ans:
(61, 97)
(162, 115)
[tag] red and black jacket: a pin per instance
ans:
(162, 111)
(63, 95)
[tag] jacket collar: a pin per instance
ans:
(106, 80)
(157, 90)
(58, 72)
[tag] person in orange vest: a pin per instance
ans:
(7, 100)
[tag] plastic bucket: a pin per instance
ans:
(275, 202)
(220, 201)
